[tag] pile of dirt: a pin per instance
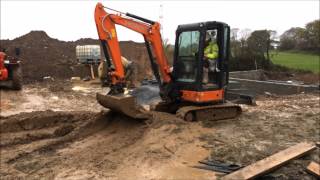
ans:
(47, 144)
(303, 77)
(44, 56)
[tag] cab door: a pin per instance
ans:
(186, 63)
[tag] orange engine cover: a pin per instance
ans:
(3, 69)
(3, 74)
(203, 97)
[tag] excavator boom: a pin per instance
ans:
(150, 30)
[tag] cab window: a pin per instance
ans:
(188, 47)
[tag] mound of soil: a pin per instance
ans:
(305, 77)
(43, 56)
(62, 145)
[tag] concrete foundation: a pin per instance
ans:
(255, 87)
(254, 75)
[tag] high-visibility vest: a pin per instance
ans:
(211, 51)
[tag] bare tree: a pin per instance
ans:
(234, 34)
(245, 34)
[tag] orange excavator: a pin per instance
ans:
(189, 89)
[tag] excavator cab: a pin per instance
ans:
(199, 78)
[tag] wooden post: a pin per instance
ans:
(92, 72)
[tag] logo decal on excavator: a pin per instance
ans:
(113, 33)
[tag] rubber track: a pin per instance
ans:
(211, 112)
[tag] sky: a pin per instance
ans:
(72, 20)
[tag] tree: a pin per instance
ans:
(312, 35)
(249, 50)
(291, 38)
(259, 44)
(306, 39)
(244, 35)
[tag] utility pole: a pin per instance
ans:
(161, 18)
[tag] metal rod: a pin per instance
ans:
(141, 18)
(114, 10)
(153, 64)
(133, 16)
(105, 52)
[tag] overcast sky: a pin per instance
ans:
(71, 20)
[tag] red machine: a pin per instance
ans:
(10, 71)
(3, 69)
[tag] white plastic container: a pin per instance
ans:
(88, 54)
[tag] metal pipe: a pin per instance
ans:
(153, 64)
(141, 18)
(133, 16)
(114, 10)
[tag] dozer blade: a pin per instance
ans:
(122, 104)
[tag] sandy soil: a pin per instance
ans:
(52, 95)
(58, 131)
(273, 125)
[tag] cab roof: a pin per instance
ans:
(200, 25)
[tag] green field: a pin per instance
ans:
(301, 61)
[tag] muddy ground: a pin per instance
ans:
(56, 130)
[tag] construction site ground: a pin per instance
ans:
(57, 130)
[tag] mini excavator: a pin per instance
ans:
(188, 89)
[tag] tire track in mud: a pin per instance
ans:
(27, 137)
(24, 137)
(48, 129)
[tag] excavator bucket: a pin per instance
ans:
(124, 104)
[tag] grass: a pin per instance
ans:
(297, 60)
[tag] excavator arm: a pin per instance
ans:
(150, 30)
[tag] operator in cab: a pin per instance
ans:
(211, 51)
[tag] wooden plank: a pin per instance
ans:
(270, 163)
(314, 168)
